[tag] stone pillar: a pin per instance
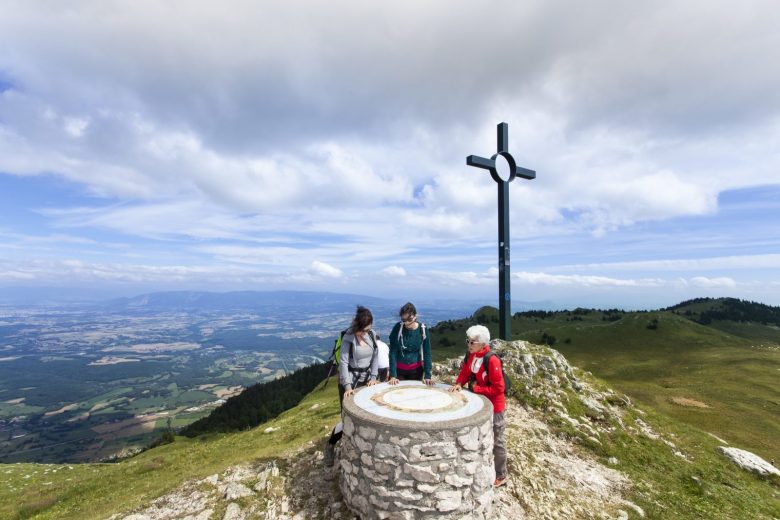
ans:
(392, 468)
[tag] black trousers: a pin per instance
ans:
(336, 436)
(410, 375)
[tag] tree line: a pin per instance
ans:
(729, 309)
(259, 403)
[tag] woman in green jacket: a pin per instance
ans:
(410, 348)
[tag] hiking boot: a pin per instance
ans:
(500, 481)
(330, 455)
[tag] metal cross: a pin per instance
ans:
(504, 283)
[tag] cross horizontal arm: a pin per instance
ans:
(525, 173)
(480, 162)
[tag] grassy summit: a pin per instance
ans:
(576, 448)
(721, 377)
(693, 383)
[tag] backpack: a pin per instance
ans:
(485, 361)
(336, 352)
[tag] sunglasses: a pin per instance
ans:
(409, 319)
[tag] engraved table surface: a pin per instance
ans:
(414, 401)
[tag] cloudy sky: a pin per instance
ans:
(321, 145)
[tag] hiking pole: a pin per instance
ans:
(327, 378)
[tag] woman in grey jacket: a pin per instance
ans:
(358, 361)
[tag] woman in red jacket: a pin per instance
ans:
(488, 381)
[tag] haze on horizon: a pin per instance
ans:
(321, 146)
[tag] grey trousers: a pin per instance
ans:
(499, 444)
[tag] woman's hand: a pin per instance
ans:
(393, 381)
(349, 393)
(372, 382)
(454, 388)
(429, 382)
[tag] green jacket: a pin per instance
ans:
(409, 351)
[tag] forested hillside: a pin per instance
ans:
(260, 403)
(707, 310)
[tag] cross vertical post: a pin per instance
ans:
(504, 279)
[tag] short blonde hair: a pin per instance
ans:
(479, 333)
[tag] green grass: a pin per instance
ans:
(98, 490)
(665, 486)
(9, 410)
(705, 486)
(734, 368)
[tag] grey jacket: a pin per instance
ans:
(347, 377)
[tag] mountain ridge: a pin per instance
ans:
(578, 449)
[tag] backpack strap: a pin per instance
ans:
(373, 343)
(422, 343)
(485, 363)
(401, 337)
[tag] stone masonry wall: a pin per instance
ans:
(411, 470)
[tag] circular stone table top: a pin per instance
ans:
(417, 405)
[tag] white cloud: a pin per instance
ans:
(256, 130)
(196, 126)
(394, 271)
(322, 269)
(455, 278)
(76, 126)
(763, 261)
(583, 281)
(722, 282)
(12, 276)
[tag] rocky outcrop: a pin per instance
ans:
(557, 413)
(749, 461)
(544, 380)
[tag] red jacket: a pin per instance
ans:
(489, 382)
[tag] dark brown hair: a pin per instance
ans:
(363, 318)
(408, 309)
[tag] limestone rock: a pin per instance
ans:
(211, 479)
(203, 515)
(470, 441)
(421, 473)
(749, 461)
(233, 512)
(235, 490)
(448, 500)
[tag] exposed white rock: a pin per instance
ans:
(211, 479)
(233, 512)
(203, 515)
(234, 490)
(749, 461)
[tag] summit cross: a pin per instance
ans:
(504, 282)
